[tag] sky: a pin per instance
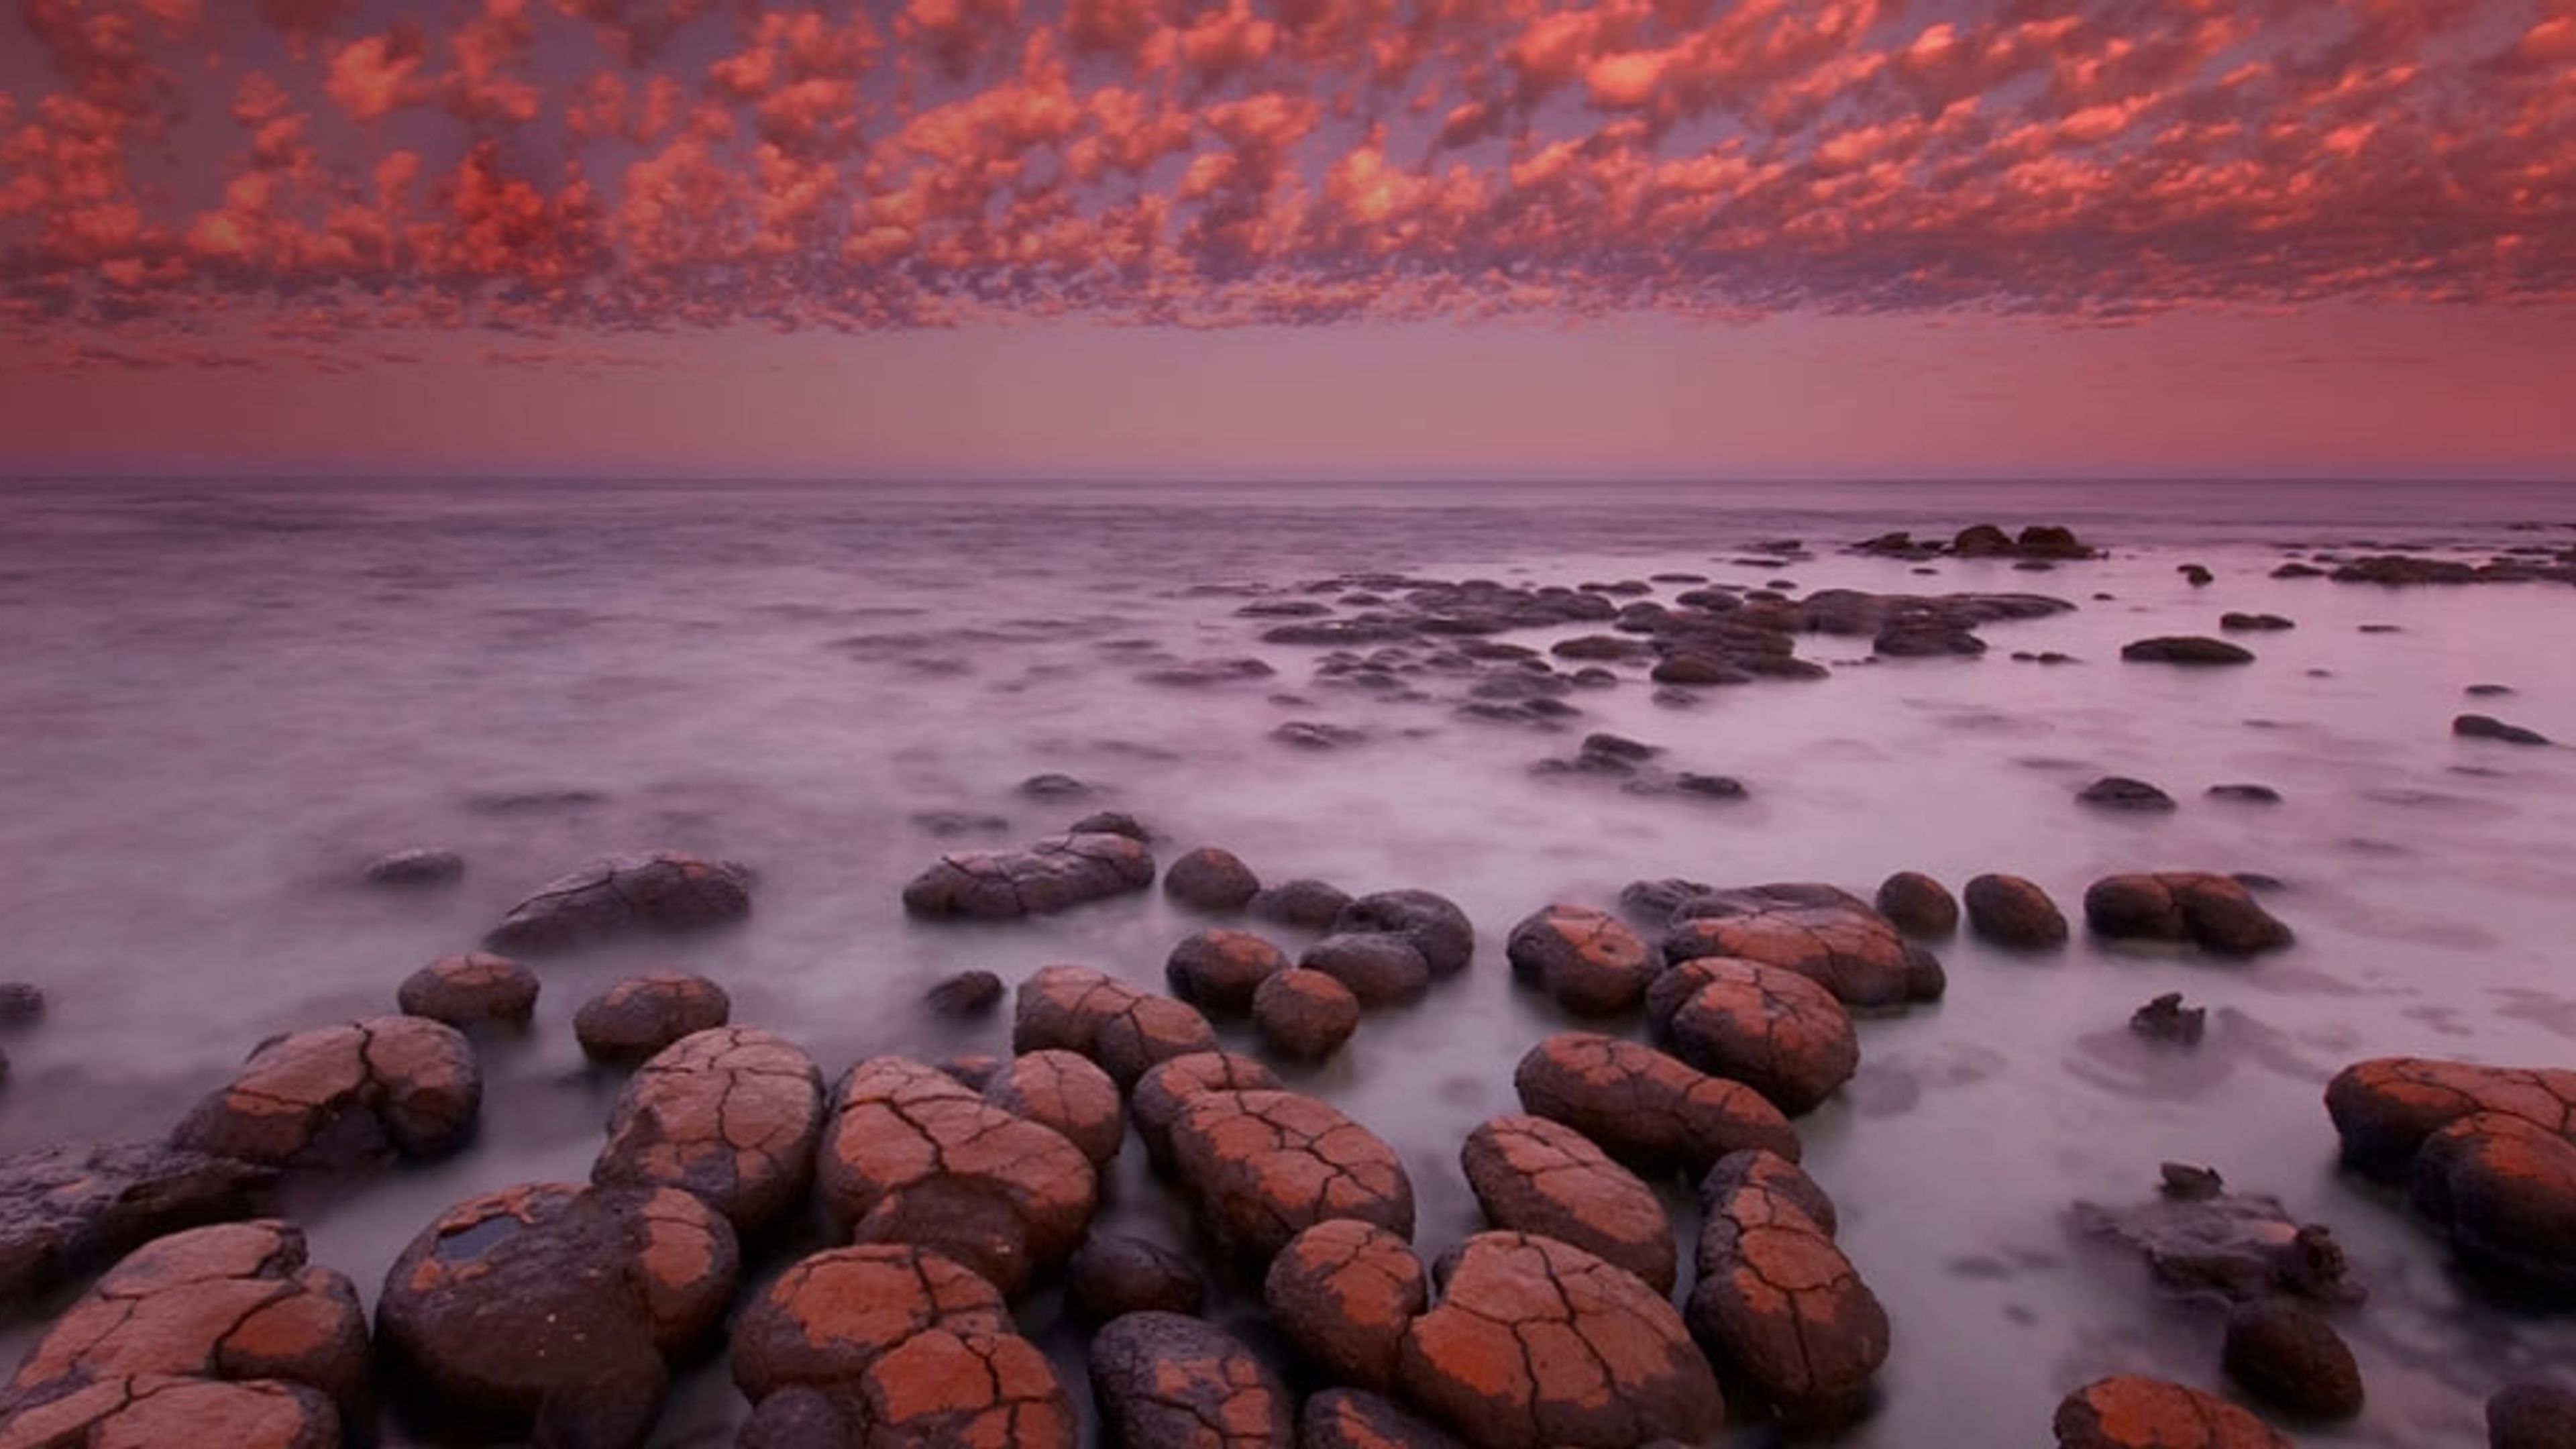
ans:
(1298, 238)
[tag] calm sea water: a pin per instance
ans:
(220, 699)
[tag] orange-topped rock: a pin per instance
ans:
(555, 1307)
(1054, 874)
(1219, 970)
(1171, 1382)
(1159, 1094)
(643, 1014)
(886, 1344)
(1126, 1031)
(2504, 1188)
(217, 1335)
(2385, 1108)
(1587, 961)
(343, 1094)
(470, 989)
(1651, 1111)
(1343, 1292)
(731, 1114)
(913, 1156)
(2129, 1411)
(1779, 1303)
(1769, 1028)
(1532, 1175)
(1357, 1419)
(1537, 1344)
(1262, 1167)
(1067, 1092)
(667, 891)
(1828, 935)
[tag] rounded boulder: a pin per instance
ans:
(1343, 1292)
(1586, 960)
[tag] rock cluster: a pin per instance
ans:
(2214, 912)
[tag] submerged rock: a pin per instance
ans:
(1537, 1344)
(217, 1335)
(2488, 727)
(663, 892)
(2215, 912)
(2185, 649)
(1055, 874)
(420, 866)
(342, 1095)
(2243, 1247)
(475, 988)
(558, 1308)
(2167, 1019)
(2119, 792)
(2014, 913)
(68, 1210)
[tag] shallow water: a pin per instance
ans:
(220, 699)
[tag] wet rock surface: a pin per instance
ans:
(1357, 1419)
(1769, 1028)
(2166, 1019)
(1432, 922)
(899, 1346)
(223, 1328)
(1211, 879)
(2120, 792)
(2214, 912)
(1918, 905)
(2488, 727)
(2386, 1107)
(1343, 1292)
(343, 1095)
(558, 1308)
(1261, 1167)
(1305, 1015)
(2504, 1189)
(1126, 1031)
(912, 1156)
(419, 866)
(1219, 970)
(2131, 1412)
(1532, 1175)
(1652, 1112)
(2185, 649)
(1777, 1301)
(1818, 931)
(1587, 961)
(1381, 968)
(1537, 1343)
(1165, 1380)
(668, 891)
(1155, 1102)
(641, 1015)
(965, 995)
(2014, 913)
(1115, 1273)
(1068, 1092)
(2198, 1238)
(731, 1115)
(68, 1210)
(2289, 1356)
(471, 989)
(1055, 874)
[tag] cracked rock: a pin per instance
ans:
(2133, 1412)
(667, 891)
(2214, 912)
(1819, 931)
(1777, 1302)
(1126, 1031)
(1055, 874)
(1537, 1344)
(1343, 1292)
(1065, 1091)
(1653, 1112)
(1357, 1419)
(2504, 1189)
(2385, 1108)
(342, 1095)
(643, 1014)
(1772, 1029)
(912, 1156)
(470, 989)
(1219, 970)
(558, 1307)
(1305, 1015)
(1263, 1166)
(1113, 1274)
(730, 1114)
(216, 1326)
(1587, 961)
(1156, 1101)
(67, 1210)
(1169, 1382)
(1532, 1175)
(882, 1344)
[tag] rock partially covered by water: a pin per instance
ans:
(68, 1210)
(1381, 968)
(1219, 970)
(1343, 1292)
(1261, 1167)
(667, 891)
(1777, 1301)
(2236, 623)
(341, 1095)
(2166, 1019)
(2385, 1108)
(2193, 649)
(2488, 727)
(2132, 1412)
(913, 1156)
(2504, 1188)
(1532, 1175)
(218, 1335)
(643, 1014)
(1357, 1419)
(1432, 922)
(1305, 1015)
(1537, 1344)
(1126, 1031)
(1055, 874)
(964, 995)
(902, 1346)
(1311, 904)
(731, 1115)
(1163, 1379)
(558, 1308)
(1821, 932)
(1771, 1029)
(1066, 1091)
(1211, 880)
(2243, 1247)
(420, 866)
(2120, 792)
(2215, 912)
(1113, 1274)
(2290, 1356)
(475, 988)
(1918, 905)
(1651, 1111)
(2014, 913)
(1587, 961)
(2531, 1416)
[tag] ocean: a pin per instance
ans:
(221, 698)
